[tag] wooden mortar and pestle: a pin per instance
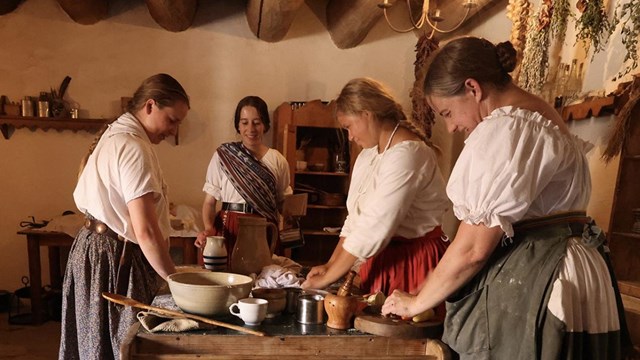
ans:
(341, 307)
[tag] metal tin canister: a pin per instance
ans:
(27, 106)
(310, 309)
(43, 108)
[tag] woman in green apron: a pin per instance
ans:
(526, 276)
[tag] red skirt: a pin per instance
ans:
(404, 264)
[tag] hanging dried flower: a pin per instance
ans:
(559, 17)
(422, 115)
(535, 59)
(593, 24)
(518, 13)
(629, 15)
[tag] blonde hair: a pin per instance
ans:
(366, 94)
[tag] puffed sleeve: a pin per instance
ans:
(213, 181)
(505, 164)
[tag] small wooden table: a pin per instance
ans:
(54, 240)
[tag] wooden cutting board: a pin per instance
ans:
(395, 327)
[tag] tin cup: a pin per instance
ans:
(310, 309)
(292, 299)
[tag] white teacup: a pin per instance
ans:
(251, 310)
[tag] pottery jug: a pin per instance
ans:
(251, 251)
(215, 254)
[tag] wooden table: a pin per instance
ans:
(334, 344)
(56, 240)
(285, 339)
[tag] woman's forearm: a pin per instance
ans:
(464, 258)
(145, 226)
(209, 212)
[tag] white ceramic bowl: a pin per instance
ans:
(208, 293)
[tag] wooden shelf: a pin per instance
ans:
(599, 106)
(627, 234)
(631, 288)
(322, 173)
(31, 122)
(319, 233)
(18, 122)
(632, 157)
(311, 206)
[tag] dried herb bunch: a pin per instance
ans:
(559, 17)
(518, 13)
(629, 15)
(535, 60)
(593, 24)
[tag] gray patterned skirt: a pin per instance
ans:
(92, 327)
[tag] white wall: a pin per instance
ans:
(218, 61)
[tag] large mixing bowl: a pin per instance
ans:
(208, 293)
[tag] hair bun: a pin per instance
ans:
(506, 56)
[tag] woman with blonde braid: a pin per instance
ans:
(123, 246)
(396, 198)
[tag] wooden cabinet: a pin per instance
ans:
(308, 132)
(624, 242)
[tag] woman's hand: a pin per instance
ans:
(399, 303)
(316, 277)
(201, 239)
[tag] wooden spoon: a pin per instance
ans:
(123, 300)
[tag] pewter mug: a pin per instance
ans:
(310, 309)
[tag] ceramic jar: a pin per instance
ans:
(215, 254)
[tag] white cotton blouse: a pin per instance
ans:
(218, 185)
(123, 167)
(518, 165)
(400, 192)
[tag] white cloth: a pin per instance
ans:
(276, 276)
(583, 278)
(400, 192)
(123, 167)
(218, 185)
(518, 165)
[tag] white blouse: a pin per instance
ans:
(517, 165)
(400, 192)
(123, 167)
(218, 185)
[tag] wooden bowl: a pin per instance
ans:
(277, 299)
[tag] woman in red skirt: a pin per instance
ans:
(396, 197)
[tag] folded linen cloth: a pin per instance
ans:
(276, 276)
(155, 322)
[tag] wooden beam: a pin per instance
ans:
(8, 6)
(85, 12)
(270, 20)
(349, 22)
(173, 15)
